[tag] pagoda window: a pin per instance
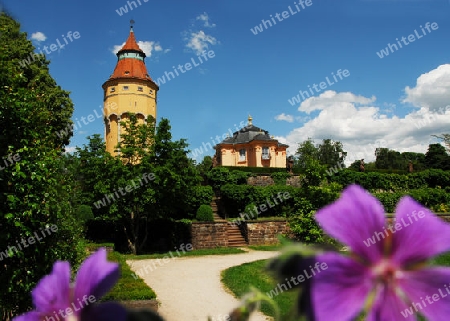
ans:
(265, 153)
(242, 155)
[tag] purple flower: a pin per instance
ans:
(56, 299)
(385, 274)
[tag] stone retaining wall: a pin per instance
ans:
(265, 233)
(266, 180)
(207, 235)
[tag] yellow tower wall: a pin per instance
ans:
(124, 96)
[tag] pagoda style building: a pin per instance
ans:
(251, 146)
(128, 90)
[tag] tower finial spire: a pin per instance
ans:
(131, 24)
(250, 118)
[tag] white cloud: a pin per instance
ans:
(329, 99)
(199, 41)
(38, 36)
(283, 116)
(205, 18)
(148, 47)
(362, 126)
(432, 89)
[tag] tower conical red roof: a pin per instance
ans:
(131, 61)
(131, 43)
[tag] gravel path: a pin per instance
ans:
(189, 288)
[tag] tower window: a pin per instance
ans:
(127, 72)
(140, 88)
(113, 89)
(151, 91)
(125, 87)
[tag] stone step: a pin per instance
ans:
(235, 238)
(236, 244)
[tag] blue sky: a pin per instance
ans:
(397, 101)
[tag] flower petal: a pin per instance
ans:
(30, 316)
(340, 290)
(96, 276)
(389, 306)
(53, 291)
(105, 312)
(420, 235)
(353, 220)
(429, 292)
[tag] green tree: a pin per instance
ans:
(437, 157)
(390, 159)
(306, 152)
(34, 190)
(204, 167)
(92, 167)
(331, 153)
(165, 177)
(417, 159)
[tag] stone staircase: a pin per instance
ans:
(235, 238)
(215, 207)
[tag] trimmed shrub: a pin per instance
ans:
(205, 214)
(375, 181)
(280, 177)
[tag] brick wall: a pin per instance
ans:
(267, 180)
(265, 233)
(209, 235)
(260, 181)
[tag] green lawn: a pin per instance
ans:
(127, 288)
(239, 278)
(215, 251)
(266, 247)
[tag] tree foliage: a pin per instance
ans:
(35, 192)
(150, 178)
(329, 153)
(437, 157)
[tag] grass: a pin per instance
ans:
(127, 288)
(200, 252)
(266, 247)
(239, 278)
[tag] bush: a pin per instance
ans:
(219, 176)
(84, 213)
(200, 195)
(205, 214)
(280, 177)
(374, 181)
(250, 213)
(435, 199)
(260, 170)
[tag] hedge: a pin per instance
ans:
(236, 198)
(373, 181)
